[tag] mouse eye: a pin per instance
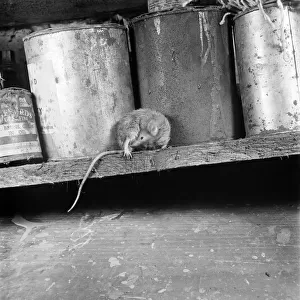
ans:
(142, 137)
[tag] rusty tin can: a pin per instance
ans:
(19, 139)
(268, 62)
(81, 79)
(186, 71)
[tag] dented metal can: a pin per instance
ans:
(19, 140)
(81, 79)
(268, 63)
(185, 70)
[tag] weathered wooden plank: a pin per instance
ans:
(17, 12)
(171, 158)
(229, 253)
(25, 12)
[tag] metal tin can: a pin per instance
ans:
(185, 70)
(18, 132)
(81, 79)
(268, 61)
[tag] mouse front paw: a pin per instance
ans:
(127, 154)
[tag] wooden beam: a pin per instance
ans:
(26, 12)
(20, 12)
(175, 157)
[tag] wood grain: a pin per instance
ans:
(175, 157)
(25, 12)
(229, 253)
(18, 12)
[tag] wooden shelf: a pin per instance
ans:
(20, 12)
(26, 12)
(254, 148)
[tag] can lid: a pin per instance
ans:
(177, 10)
(14, 90)
(72, 28)
(267, 4)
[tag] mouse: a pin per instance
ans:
(143, 129)
(140, 129)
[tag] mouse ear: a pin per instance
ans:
(152, 128)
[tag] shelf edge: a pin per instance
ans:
(220, 152)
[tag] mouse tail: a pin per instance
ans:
(87, 174)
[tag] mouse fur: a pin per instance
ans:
(143, 129)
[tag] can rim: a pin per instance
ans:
(176, 10)
(13, 88)
(271, 3)
(72, 28)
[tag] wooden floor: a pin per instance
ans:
(247, 253)
(223, 233)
